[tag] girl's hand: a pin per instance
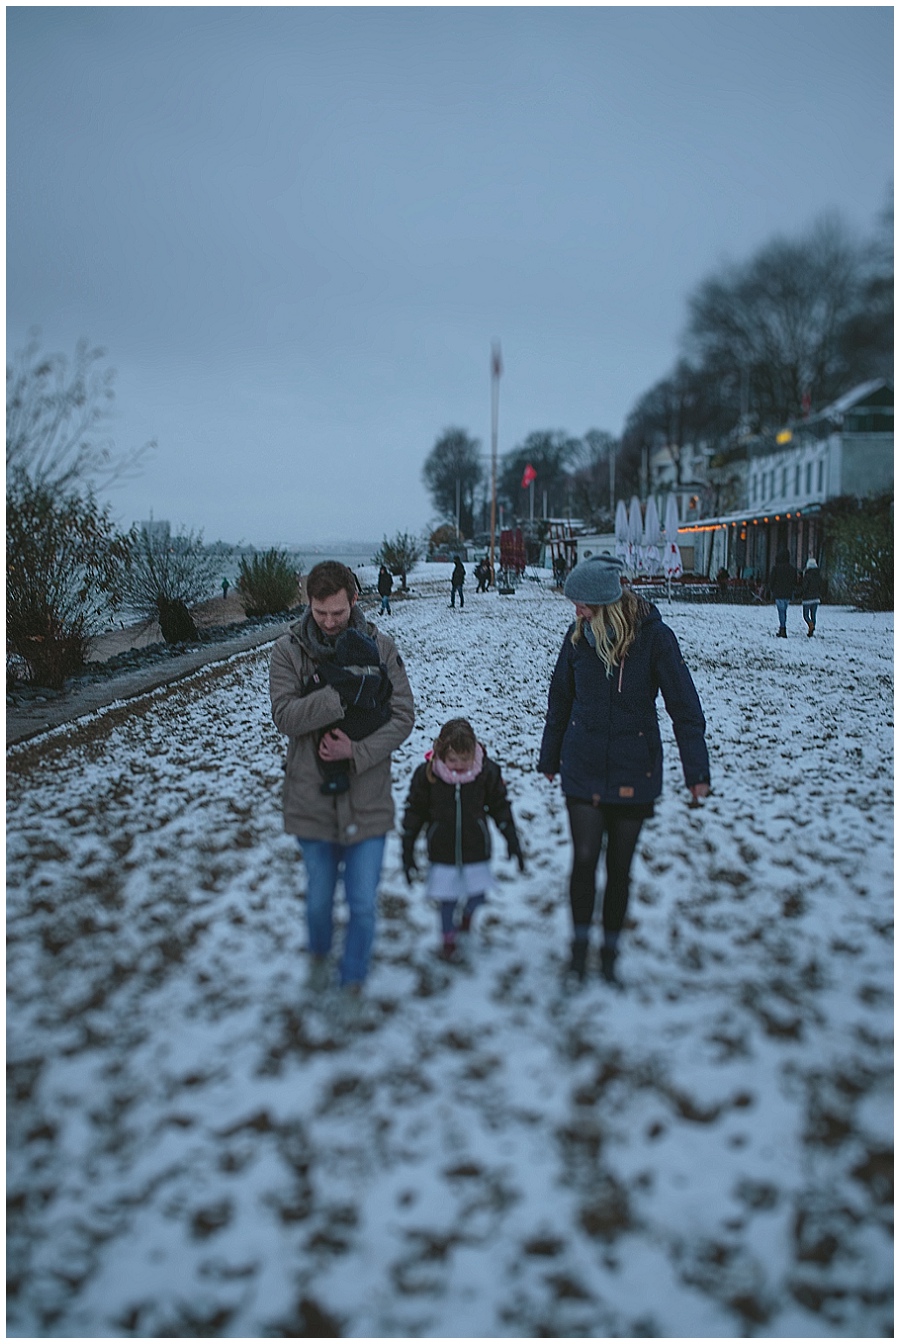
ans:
(550, 777)
(698, 791)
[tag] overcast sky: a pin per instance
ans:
(297, 231)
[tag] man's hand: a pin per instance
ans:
(698, 791)
(335, 746)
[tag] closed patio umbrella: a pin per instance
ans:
(621, 530)
(651, 556)
(635, 535)
(672, 555)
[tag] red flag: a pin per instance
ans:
(528, 475)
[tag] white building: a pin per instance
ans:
(845, 449)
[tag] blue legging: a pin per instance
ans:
(448, 912)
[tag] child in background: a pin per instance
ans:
(452, 793)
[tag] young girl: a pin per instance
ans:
(452, 793)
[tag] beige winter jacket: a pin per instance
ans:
(367, 808)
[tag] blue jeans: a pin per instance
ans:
(385, 605)
(809, 612)
(781, 606)
(362, 870)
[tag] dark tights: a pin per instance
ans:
(589, 824)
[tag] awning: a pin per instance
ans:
(749, 518)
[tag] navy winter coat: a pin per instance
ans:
(812, 585)
(602, 734)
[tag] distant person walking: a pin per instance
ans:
(811, 594)
(457, 579)
(225, 586)
(336, 831)
(782, 584)
(385, 588)
(481, 573)
(602, 736)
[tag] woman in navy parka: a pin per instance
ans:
(602, 737)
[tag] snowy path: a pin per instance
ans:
(197, 1149)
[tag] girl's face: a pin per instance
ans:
(584, 611)
(457, 763)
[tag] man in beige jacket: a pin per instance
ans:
(346, 829)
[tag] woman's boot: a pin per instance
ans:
(578, 962)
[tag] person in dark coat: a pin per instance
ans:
(452, 793)
(602, 737)
(782, 583)
(457, 579)
(385, 588)
(811, 595)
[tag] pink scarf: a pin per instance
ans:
(449, 776)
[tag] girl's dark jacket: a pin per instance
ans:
(455, 816)
(602, 734)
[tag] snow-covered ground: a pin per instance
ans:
(197, 1147)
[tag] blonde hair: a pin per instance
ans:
(615, 629)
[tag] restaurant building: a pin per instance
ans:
(845, 449)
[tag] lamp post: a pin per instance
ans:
(496, 371)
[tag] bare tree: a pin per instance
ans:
(65, 573)
(868, 336)
(452, 473)
(776, 321)
(682, 410)
(399, 555)
(57, 417)
(552, 453)
(593, 481)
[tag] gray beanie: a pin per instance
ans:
(595, 581)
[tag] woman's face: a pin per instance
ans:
(583, 611)
(457, 763)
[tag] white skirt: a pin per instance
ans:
(446, 882)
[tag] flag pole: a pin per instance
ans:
(496, 371)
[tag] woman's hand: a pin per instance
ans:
(698, 791)
(550, 777)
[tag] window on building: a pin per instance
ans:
(808, 477)
(784, 480)
(820, 474)
(797, 479)
(754, 484)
